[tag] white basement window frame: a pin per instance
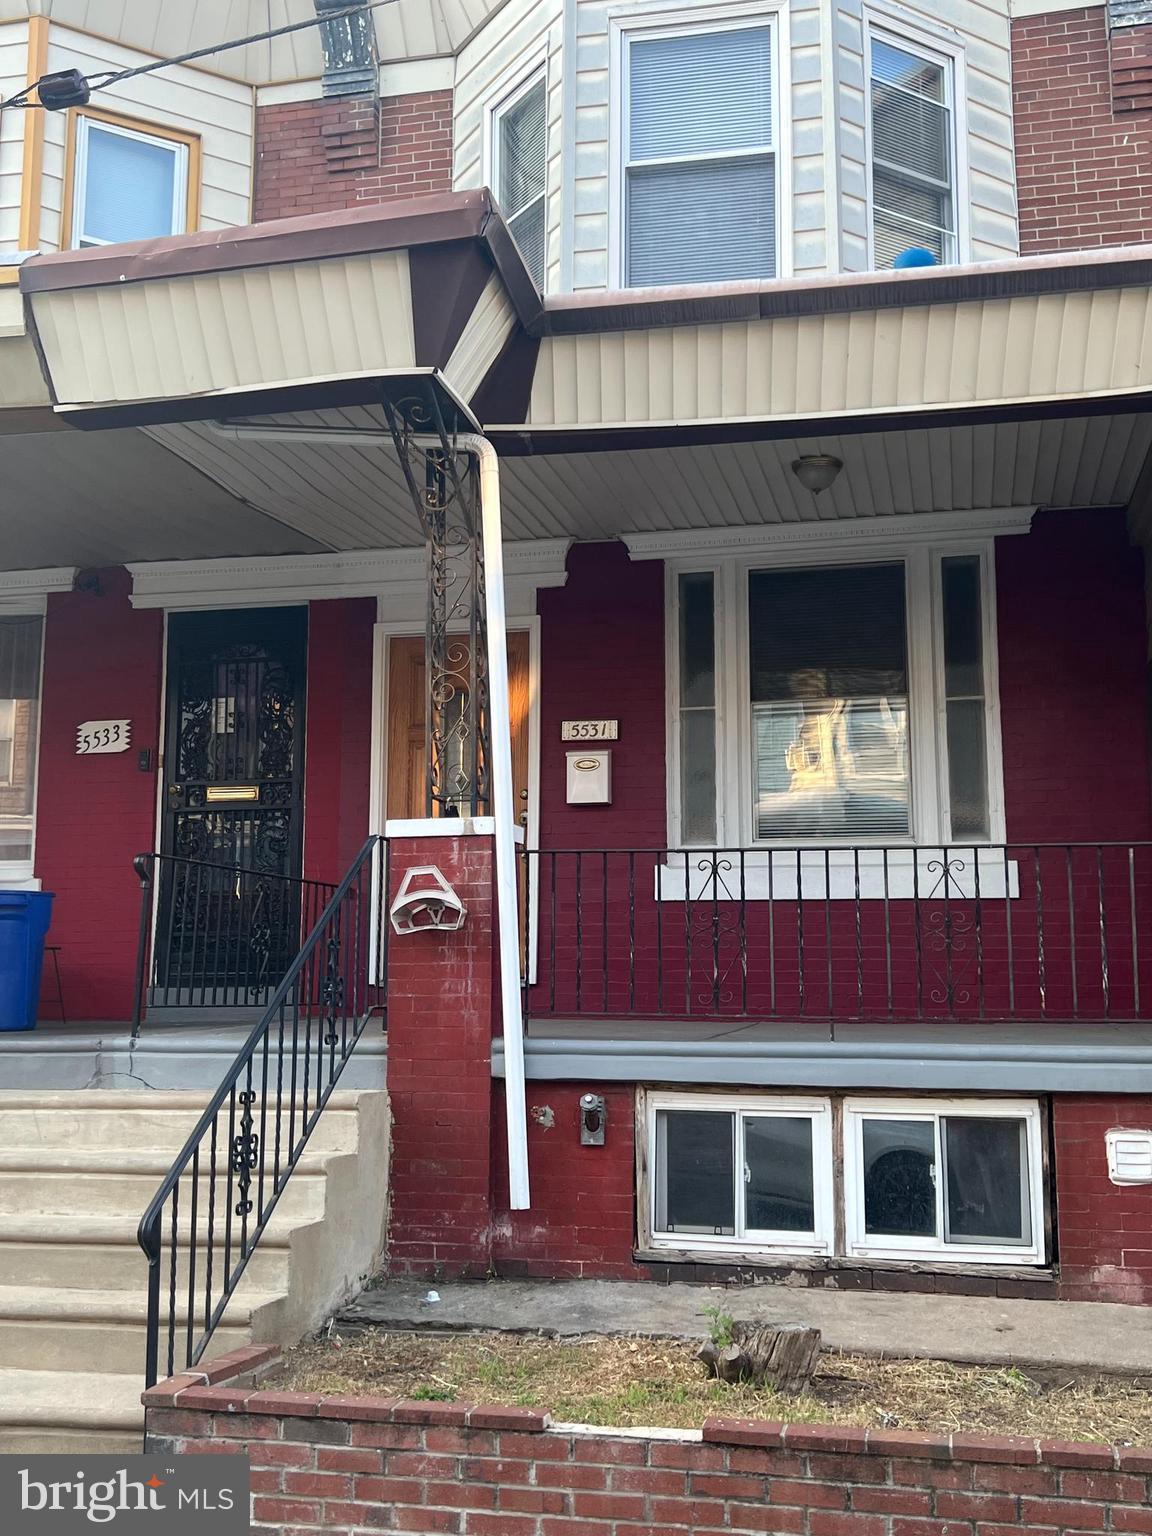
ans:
(625, 164)
(176, 216)
(881, 30)
(728, 710)
(748, 1114)
(912, 1121)
(525, 211)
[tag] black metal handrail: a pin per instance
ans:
(1005, 932)
(208, 1215)
(221, 935)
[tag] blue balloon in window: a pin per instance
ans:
(915, 256)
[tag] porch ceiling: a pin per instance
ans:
(348, 496)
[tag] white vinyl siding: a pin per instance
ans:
(127, 185)
(700, 182)
(913, 151)
(520, 169)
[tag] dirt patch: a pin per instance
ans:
(658, 1382)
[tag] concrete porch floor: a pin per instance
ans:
(980, 1330)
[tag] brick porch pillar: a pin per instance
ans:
(442, 990)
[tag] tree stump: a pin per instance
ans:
(782, 1357)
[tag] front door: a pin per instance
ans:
(229, 910)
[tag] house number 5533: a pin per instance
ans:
(95, 736)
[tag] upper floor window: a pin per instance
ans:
(520, 169)
(700, 171)
(913, 151)
(128, 184)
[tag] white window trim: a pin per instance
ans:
(818, 1110)
(859, 1245)
(512, 89)
(178, 148)
(891, 25)
(623, 26)
(922, 557)
(20, 874)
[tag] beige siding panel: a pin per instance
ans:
(961, 354)
(13, 74)
(171, 338)
(486, 331)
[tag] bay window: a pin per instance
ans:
(913, 169)
(520, 168)
(699, 155)
(20, 641)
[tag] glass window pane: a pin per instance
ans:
(829, 683)
(892, 235)
(779, 1193)
(700, 92)
(967, 768)
(900, 1178)
(129, 187)
(523, 150)
(19, 727)
(963, 633)
(707, 221)
(695, 1189)
(987, 1196)
(964, 695)
(911, 134)
(697, 707)
(697, 640)
(698, 776)
(527, 230)
(896, 67)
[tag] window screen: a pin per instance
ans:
(19, 730)
(701, 173)
(522, 160)
(912, 154)
(130, 186)
(829, 698)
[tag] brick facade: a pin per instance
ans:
(333, 1464)
(1083, 131)
(1104, 1230)
(323, 155)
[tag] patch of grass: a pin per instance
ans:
(635, 1382)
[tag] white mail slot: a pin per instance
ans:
(590, 777)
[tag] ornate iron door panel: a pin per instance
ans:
(229, 917)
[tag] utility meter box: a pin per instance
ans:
(590, 777)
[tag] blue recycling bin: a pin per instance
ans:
(24, 919)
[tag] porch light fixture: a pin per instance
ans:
(817, 471)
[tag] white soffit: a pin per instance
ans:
(350, 497)
(988, 352)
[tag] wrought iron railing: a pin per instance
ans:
(216, 935)
(206, 1219)
(1006, 932)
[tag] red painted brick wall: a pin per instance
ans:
(1081, 157)
(338, 756)
(320, 156)
(582, 1222)
(333, 1464)
(1104, 1229)
(102, 660)
(440, 998)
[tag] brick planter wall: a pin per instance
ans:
(339, 1463)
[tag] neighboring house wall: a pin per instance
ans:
(1082, 148)
(322, 155)
(188, 100)
(1105, 1237)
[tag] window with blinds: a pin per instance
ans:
(700, 165)
(128, 185)
(19, 733)
(913, 153)
(520, 146)
(828, 669)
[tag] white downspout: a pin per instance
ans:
(503, 809)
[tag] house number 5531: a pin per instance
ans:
(95, 736)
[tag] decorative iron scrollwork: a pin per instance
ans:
(245, 1154)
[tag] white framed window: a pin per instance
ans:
(21, 642)
(127, 183)
(960, 1180)
(913, 147)
(828, 697)
(698, 188)
(518, 159)
(753, 1173)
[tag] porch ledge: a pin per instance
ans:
(1044, 1057)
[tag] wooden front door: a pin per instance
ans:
(406, 743)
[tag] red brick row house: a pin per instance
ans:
(814, 687)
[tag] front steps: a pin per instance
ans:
(76, 1172)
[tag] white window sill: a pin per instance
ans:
(949, 1253)
(838, 874)
(729, 1246)
(18, 877)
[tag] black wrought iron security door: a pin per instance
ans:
(229, 909)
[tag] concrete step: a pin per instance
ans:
(70, 1411)
(66, 1330)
